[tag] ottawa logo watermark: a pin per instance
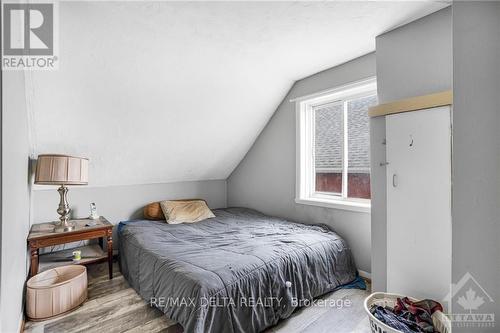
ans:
(30, 35)
(471, 305)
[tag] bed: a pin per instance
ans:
(241, 271)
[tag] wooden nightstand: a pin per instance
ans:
(43, 235)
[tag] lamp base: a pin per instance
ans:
(64, 211)
(64, 227)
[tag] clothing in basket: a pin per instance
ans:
(408, 316)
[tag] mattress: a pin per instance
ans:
(241, 271)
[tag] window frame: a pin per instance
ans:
(305, 159)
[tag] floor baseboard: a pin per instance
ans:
(365, 275)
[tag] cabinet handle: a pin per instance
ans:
(394, 180)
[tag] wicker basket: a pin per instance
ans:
(56, 291)
(439, 319)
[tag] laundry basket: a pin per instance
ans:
(56, 291)
(439, 319)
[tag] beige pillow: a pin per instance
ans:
(185, 211)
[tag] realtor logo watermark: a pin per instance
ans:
(472, 306)
(251, 302)
(30, 36)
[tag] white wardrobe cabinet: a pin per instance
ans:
(418, 152)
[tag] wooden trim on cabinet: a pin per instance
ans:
(412, 104)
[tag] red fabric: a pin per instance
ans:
(426, 305)
(420, 311)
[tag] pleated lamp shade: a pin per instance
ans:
(53, 169)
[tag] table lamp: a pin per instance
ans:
(54, 169)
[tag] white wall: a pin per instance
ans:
(115, 101)
(15, 200)
(413, 60)
(476, 150)
(265, 178)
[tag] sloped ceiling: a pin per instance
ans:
(163, 91)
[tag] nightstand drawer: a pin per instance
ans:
(68, 237)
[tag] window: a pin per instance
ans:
(333, 147)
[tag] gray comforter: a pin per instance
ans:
(241, 271)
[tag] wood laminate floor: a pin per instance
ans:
(113, 306)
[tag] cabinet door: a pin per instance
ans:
(419, 203)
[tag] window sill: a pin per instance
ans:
(354, 206)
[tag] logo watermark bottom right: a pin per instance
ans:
(472, 306)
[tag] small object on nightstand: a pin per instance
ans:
(77, 255)
(90, 224)
(93, 212)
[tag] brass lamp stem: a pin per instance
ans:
(63, 210)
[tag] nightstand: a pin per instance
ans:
(43, 235)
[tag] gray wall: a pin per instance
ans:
(119, 203)
(476, 149)
(15, 196)
(265, 178)
(415, 59)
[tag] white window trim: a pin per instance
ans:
(304, 185)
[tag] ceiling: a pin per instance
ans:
(173, 91)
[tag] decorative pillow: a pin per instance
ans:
(153, 211)
(185, 211)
